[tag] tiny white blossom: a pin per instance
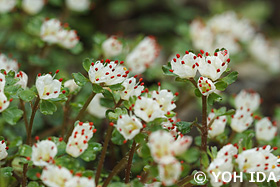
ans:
(55, 176)
(48, 87)
(170, 124)
(129, 126)
(95, 108)
(49, 30)
(143, 55)
(32, 6)
(265, 129)
(43, 153)
(185, 67)
(206, 86)
(71, 85)
(78, 5)
(23, 79)
(248, 99)
(169, 171)
(154, 184)
(147, 109)
(7, 5)
(228, 151)
(4, 103)
(3, 150)
(80, 182)
(109, 73)
(78, 141)
(181, 144)
(8, 64)
(165, 100)
(2, 82)
(112, 47)
(241, 120)
(131, 88)
(218, 125)
(67, 38)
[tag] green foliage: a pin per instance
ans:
(47, 107)
(31, 173)
(113, 115)
(166, 70)
(12, 115)
(80, 80)
(191, 155)
(87, 64)
(96, 88)
(117, 138)
(6, 172)
(91, 151)
(27, 95)
(184, 127)
(61, 146)
(25, 150)
(213, 97)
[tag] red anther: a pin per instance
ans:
(144, 125)
(37, 138)
(90, 123)
(275, 148)
(50, 138)
(171, 70)
(187, 52)
(159, 84)
(142, 83)
(244, 148)
(79, 174)
(55, 92)
(121, 62)
(38, 175)
(264, 146)
(5, 73)
(218, 70)
(107, 73)
(124, 141)
(120, 116)
(61, 79)
(11, 100)
(174, 59)
(206, 53)
(111, 124)
(63, 91)
(235, 156)
(50, 72)
(94, 130)
(177, 55)
(92, 64)
(57, 71)
(39, 74)
(102, 61)
(216, 54)
(176, 93)
(193, 66)
(81, 123)
(228, 60)
(60, 139)
(127, 72)
(141, 79)
(116, 61)
(209, 61)
(194, 57)
(7, 148)
(28, 158)
(202, 52)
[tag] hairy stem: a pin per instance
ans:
(129, 164)
(34, 109)
(103, 154)
(22, 105)
(204, 132)
(65, 115)
(184, 180)
(80, 115)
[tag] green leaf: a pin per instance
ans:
(184, 127)
(80, 80)
(38, 61)
(197, 93)
(86, 64)
(96, 88)
(166, 68)
(213, 152)
(117, 138)
(33, 184)
(68, 162)
(181, 79)
(6, 171)
(191, 155)
(25, 150)
(197, 140)
(91, 151)
(223, 112)
(230, 78)
(109, 103)
(213, 97)
(221, 85)
(204, 160)
(61, 146)
(47, 107)
(31, 173)
(27, 95)
(12, 115)
(117, 87)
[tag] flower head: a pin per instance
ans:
(32, 6)
(55, 176)
(7, 5)
(129, 126)
(241, 120)
(265, 129)
(165, 100)
(95, 108)
(78, 141)
(67, 38)
(181, 144)
(23, 79)
(8, 64)
(78, 5)
(3, 150)
(131, 88)
(218, 125)
(248, 99)
(108, 72)
(71, 85)
(169, 171)
(142, 55)
(79, 182)
(49, 30)
(112, 47)
(206, 86)
(43, 152)
(48, 87)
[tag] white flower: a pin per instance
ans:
(32, 6)
(228, 151)
(2, 82)
(7, 5)
(211, 67)
(8, 64)
(71, 85)
(95, 108)
(80, 182)
(170, 124)
(55, 176)
(23, 79)
(78, 5)
(143, 55)
(165, 100)
(169, 171)
(154, 184)
(181, 144)
(147, 109)
(3, 150)
(247, 99)
(49, 30)
(4, 103)
(48, 87)
(43, 153)
(109, 73)
(206, 86)
(218, 125)
(219, 165)
(67, 38)
(129, 126)
(131, 88)
(186, 66)
(241, 120)
(265, 130)
(112, 47)
(78, 141)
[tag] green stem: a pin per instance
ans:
(80, 115)
(129, 164)
(103, 154)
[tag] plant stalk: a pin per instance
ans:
(129, 164)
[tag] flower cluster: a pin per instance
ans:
(52, 32)
(112, 47)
